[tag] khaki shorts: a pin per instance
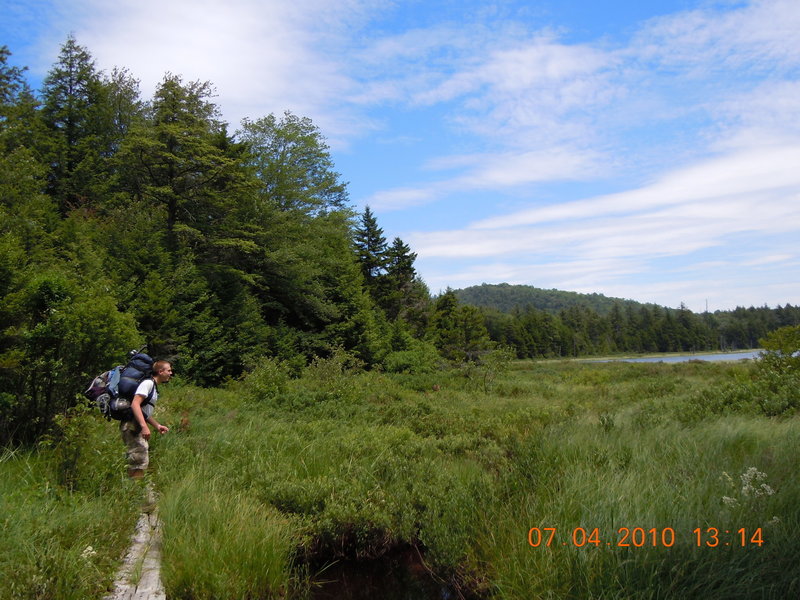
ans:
(137, 448)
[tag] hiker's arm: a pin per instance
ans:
(159, 427)
(138, 415)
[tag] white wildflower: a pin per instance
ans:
(732, 502)
(754, 476)
(88, 552)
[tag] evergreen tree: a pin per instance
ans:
(399, 291)
(73, 94)
(122, 111)
(17, 106)
(179, 163)
(458, 332)
(371, 249)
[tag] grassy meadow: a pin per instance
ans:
(542, 480)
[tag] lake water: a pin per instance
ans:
(676, 358)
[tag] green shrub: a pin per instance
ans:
(421, 357)
(267, 380)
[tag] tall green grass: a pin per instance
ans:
(66, 513)
(353, 465)
(267, 483)
(664, 477)
(242, 545)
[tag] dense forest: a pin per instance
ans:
(129, 221)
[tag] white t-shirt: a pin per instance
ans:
(144, 389)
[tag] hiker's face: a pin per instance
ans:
(165, 374)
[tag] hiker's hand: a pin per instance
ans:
(162, 429)
(146, 432)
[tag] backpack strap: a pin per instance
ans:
(151, 393)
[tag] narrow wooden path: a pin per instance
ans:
(139, 577)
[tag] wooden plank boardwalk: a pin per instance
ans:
(139, 577)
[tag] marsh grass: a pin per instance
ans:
(357, 464)
(267, 483)
(671, 478)
(222, 543)
(64, 524)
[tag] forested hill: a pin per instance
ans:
(506, 298)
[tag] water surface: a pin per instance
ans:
(676, 358)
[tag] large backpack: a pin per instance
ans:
(113, 390)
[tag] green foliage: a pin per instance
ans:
(411, 355)
(352, 465)
(293, 164)
(331, 378)
(545, 323)
(256, 496)
(371, 248)
(781, 350)
(458, 332)
(509, 298)
(179, 161)
(17, 106)
(74, 145)
(771, 389)
(267, 380)
(62, 335)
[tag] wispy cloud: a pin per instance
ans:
(761, 34)
(754, 174)
(684, 211)
(491, 172)
(721, 205)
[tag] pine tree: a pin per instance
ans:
(17, 106)
(400, 292)
(371, 248)
(458, 332)
(182, 163)
(73, 94)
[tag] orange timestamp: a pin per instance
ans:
(641, 537)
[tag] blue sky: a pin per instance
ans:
(643, 150)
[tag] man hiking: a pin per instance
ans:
(136, 433)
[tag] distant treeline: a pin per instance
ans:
(541, 323)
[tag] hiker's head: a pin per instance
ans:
(162, 371)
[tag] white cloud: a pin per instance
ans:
(605, 243)
(769, 260)
(535, 94)
(491, 172)
(262, 56)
